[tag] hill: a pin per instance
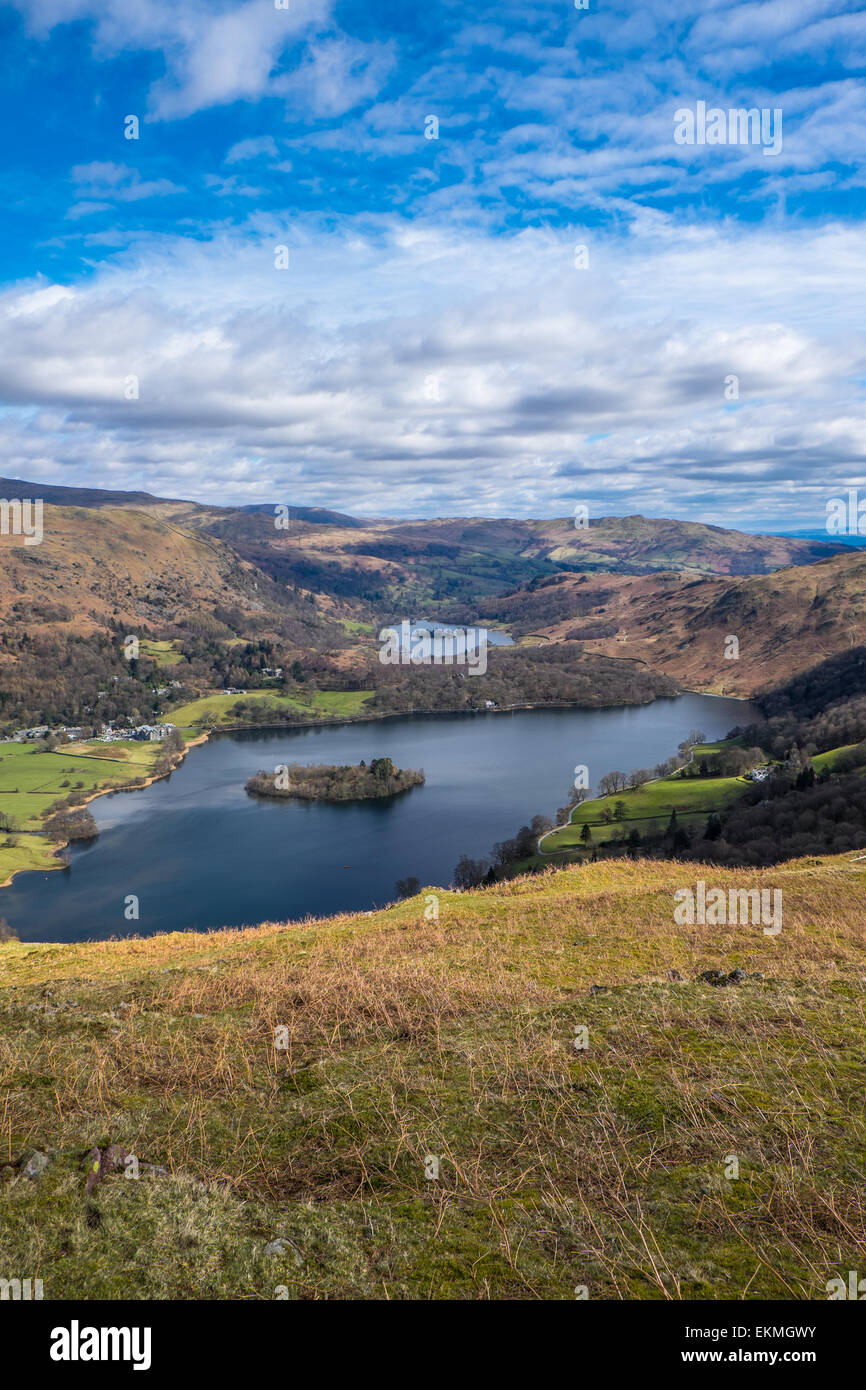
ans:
(646, 592)
(392, 1104)
(459, 560)
(679, 624)
(382, 561)
(99, 568)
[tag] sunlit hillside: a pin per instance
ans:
(400, 1103)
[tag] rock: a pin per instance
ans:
(35, 1165)
(154, 1169)
(713, 977)
(279, 1246)
(115, 1156)
(736, 976)
(94, 1169)
(598, 989)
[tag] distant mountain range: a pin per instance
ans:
(658, 591)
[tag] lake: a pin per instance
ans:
(198, 852)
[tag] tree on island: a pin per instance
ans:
(382, 768)
(322, 782)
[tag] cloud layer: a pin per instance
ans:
(550, 302)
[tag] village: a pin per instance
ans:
(109, 733)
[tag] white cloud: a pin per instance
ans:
(118, 182)
(217, 52)
(398, 368)
(253, 148)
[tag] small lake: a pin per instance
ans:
(199, 853)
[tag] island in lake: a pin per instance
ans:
(326, 782)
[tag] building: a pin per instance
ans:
(153, 733)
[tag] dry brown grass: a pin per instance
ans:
(409, 1038)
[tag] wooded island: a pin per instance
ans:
(324, 782)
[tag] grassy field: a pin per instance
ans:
(19, 854)
(408, 1040)
(32, 781)
(164, 653)
(829, 759)
(649, 808)
(219, 709)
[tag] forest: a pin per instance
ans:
(554, 674)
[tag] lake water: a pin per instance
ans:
(199, 853)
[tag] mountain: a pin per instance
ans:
(635, 544)
(309, 576)
(100, 567)
(680, 624)
(451, 560)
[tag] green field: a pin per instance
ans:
(830, 758)
(163, 653)
(32, 781)
(649, 808)
(28, 852)
(219, 709)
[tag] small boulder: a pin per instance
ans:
(95, 1169)
(35, 1165)
(279, 1246)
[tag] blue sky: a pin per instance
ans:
(439, 342)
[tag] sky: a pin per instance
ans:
(437, 259)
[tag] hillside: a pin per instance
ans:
(96, 569)
(296, 1085)
(655, 593)
(382, 561)
(459, 560)
(678, 624)
(638, 544)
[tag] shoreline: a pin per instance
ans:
(204, 736)
(132, 786)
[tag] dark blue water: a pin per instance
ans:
(198, 852)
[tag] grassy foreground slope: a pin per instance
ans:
(452, 1038)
